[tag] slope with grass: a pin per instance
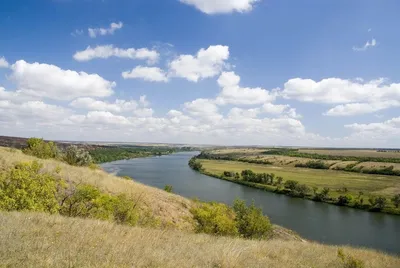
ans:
(40, 240)
(43, 240)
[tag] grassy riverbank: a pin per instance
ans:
(338, 183)
(170, 239)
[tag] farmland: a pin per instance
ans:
(355, 178)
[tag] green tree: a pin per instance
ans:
(25, 187)
(168, 188)
(396, 200)
(77, 157)
(344, 200)
(214, 218)
(291, 184)
(41, 149)
(250, 221)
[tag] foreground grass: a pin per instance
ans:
(40, 240)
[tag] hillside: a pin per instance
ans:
(42, 240)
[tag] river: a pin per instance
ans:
(315, 221)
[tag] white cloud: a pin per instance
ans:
(144, 112)
(94, 32)
(205, 109)
(107, 51)
(50, 81)
(143, 101)
(77, 33)
(3, 63)
(384, 129)
(152, 74)
(336, 90)
(361, 108)
(103, 118)
(367, 45)
(232, 93)
(221, 6)
(118, 106)
(205, 64)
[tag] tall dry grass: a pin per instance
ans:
(40, 240)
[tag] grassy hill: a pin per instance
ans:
(30, 239)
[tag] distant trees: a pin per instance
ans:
(396, 200)
(378, 203)
(194, 164)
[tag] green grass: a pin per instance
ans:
(354, 182)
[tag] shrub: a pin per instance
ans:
(291, 185)
(77, 157)
(215, 218)
(41, 149)
(313, 164)
(378, 203)
(396, 200)
(168, 188)
(344, 200)
(250, 221)
(196, 165)
(301, 190)
(24, 187)
(349, 261)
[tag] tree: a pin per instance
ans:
(77, 157)
(279, 180)
(344, 200)
(302, 190)
(250, 221)
(41, 149)
(291, 184)
(378, 202)
(396, 200)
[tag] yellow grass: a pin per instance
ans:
(170, 209)
(40, 240)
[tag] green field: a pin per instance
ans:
(335, 180)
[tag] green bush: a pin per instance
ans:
(215, 218)
(250, 221)
(41, 149)
(168, 188)
(24, 187)
(77, 157)
(349, 261)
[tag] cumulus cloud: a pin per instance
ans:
(205, 64)
(232, 93)
(50, 81)
(152, 74)
(367, 45)
(107, 51)
(3, 63)
(118, 106)
(205, 109)
(221, 6)
(352, 109)
(336, 90)
(94, 32)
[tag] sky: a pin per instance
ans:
(228, 72)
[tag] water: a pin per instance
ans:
(314, 221)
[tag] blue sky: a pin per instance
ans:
(313, 73)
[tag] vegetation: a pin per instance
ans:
(241, 220)
(313, 164)
(109, 154)
(297, 153)
(194, 164)
(77, 157)
(168, 188)
(41, 149)
(333, 187)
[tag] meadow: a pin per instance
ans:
(335, 180)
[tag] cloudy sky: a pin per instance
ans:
(248, 72)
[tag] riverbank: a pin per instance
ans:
(217, 168)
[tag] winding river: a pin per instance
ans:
(314, 221)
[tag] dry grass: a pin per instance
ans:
(40, 240)
(172, 210)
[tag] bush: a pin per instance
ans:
(24, 187)
(215, 218)
(196, 165)
(250, 221)
(396, 200)
(349, 261)
(77, 157)
(41, 149)
(343, 200)
(291, 185)
(378, 203)
(168, 188)
(313, 164)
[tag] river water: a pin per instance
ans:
(314, 221)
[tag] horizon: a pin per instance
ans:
(231, 73)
